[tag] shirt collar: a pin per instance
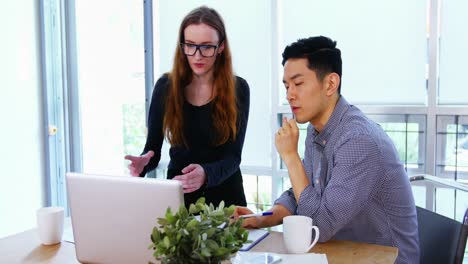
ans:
(340, 108)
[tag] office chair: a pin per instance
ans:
(441, 239)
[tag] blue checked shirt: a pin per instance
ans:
(359, 189)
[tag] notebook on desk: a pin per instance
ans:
(113, 216)
(255, 235)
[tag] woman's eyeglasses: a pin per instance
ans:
(190, 49)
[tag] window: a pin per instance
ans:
(453, 52)
(452, 163)
(110, 70)
(452, 147)
(387, 55)
(408, 134)
(258, 192)
(451, 160)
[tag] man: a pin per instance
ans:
(351, 181)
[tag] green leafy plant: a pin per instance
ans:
(210, 237)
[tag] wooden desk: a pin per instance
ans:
(26, 248)
(337, 251)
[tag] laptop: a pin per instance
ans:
(113, 216)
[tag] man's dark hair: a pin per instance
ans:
(322, 55)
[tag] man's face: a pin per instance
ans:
(306, 94)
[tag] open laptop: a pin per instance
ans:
(113, 216)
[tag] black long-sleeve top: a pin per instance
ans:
(221, 163)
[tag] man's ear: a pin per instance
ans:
(332, 82)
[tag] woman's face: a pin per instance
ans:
(201, 41)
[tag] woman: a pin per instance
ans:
(202, 109)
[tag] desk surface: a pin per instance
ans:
(337, 251)
(26, 248)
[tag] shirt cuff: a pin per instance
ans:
(287, 200)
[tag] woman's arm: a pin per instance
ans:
(155, 136)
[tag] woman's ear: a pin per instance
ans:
(221, 48)
(332, 81)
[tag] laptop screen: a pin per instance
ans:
(113, 216)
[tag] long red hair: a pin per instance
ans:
(224, 102)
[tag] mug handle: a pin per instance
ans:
(317, 233)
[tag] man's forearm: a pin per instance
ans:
(297, 175)
(279, 212)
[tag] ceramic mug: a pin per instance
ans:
(50, 224)
(297, 234)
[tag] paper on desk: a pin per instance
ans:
(256, 257)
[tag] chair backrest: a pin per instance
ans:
(462, 240)
(441, 239)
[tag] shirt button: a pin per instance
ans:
(317, 181)
(324, 142)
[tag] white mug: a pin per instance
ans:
(297, 234)
(50, 224)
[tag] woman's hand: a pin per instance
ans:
(193, 178)
(138, 163)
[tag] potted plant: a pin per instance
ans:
(186, 237)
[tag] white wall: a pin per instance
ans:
(21, 145)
